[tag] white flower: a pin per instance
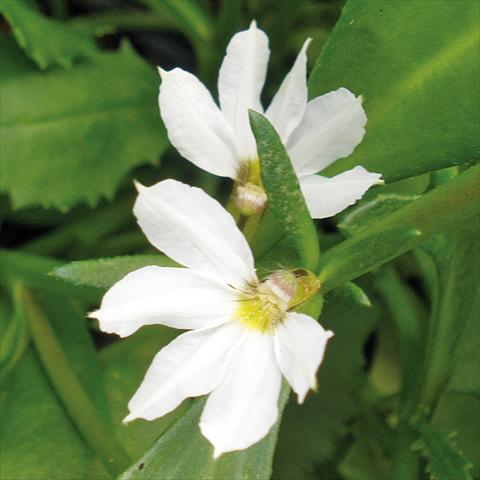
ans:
(243, 335)
(315, 133)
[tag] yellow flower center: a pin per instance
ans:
(263, 306)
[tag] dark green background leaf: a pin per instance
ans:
(34, 420)
(453, 270)
(416, 63)
(70, 136)
(46, 41)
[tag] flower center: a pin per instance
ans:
(250, 197)
(263, 306)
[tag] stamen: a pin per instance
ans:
(263, 306)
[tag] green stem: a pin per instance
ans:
(103, 23)
(15, 339)
(372, 421)
(398, 299)
(84, 415)
(458, 274)
(232, 208)
(269, 234)
(405, 464)
(251, 225)
(402, 308)
(188, 15)
(195, 24)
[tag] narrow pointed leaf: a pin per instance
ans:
(284, 195)
(362, 217)
(104, 272)
(448, 205)
(351, 292)
(353, 258)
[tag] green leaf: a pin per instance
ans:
(465, 376)
(38, 437)
(455, 261)
(124, 364)
(182, 452)
(353, 258)
(46, 41)
(32, 270)
(310, 433)
(460, 414)
(445, 461)
(104, 272)
(38, 440)
(77, 132)
(362, 217)
(364, 460)
(86, 416)
(351, 292)
(14, 339)
(402, 307)
(416, 63)
(283, 190)
(444, 207)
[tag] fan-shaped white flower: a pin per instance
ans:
(315, 133)
(244, 334)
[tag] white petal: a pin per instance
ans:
(191, 365)
(243, 408)
(193, 229)
(176, 297)
(333, 125)
(240, 83)
(326, 197)
(300, 344)
(195, 125)
(289, 103)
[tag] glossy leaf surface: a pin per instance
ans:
(416, 64)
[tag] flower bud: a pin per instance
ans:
(250, 199)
